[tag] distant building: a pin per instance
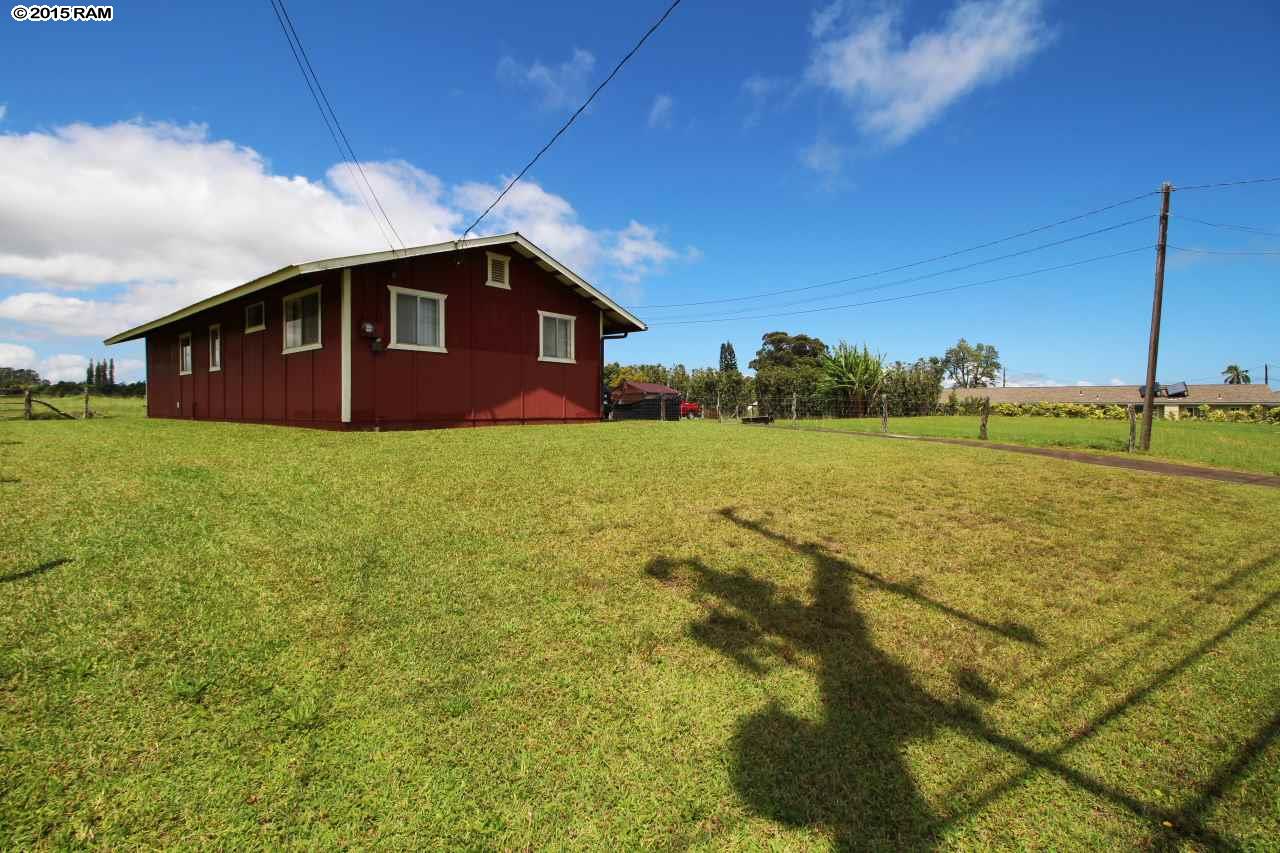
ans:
(1214, 396)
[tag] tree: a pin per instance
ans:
(972, 365)
(88, 373)
(111, 372)
(1236, 375)
(19, 377)
(779, 349)
(728, 358)
(914, 389)
(855, 376)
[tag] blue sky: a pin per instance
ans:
(747, 148)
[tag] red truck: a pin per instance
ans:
(690, 409)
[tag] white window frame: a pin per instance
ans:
(489, 258)
(191, 349)
(284, 322)
(215, 364)
(258, 328)
(421, 294)
(572, 335)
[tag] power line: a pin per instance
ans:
(286, 26)
(901, 267)
(1247, 229)
(912, 295)
(961, 268)
(572, 119)
(1221, 251)
(1221, 184)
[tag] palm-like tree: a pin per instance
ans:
(1236, 375)
(854, 374)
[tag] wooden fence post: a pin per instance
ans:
(87, 413)
(1133, 427)
(793, 405)
(884, 414)
(26, 404)
(662, 407)
(986, 412)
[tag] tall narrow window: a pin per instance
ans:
(302, 321)
(255, 317)
(417, 320)
(555, 337)
(215, 347)
(184, 353)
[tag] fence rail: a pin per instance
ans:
(21, 404)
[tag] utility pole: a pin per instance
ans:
(1157, 303)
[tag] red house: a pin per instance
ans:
(487, 331)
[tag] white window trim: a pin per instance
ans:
(488, 267)
(247, 328)
(284, 322)
(190, 344)
(213, 369)
(439, 297)
(572, 334)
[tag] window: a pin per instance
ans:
(184, 353)
(255, 317)
(302, 321)
(417, 320)
(499, 271)
(215, 347)
(555, 337)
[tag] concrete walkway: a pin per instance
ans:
(1133, 463)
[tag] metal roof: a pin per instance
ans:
(620, 316)
(1214, 395)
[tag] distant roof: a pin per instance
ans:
(619, 316)
(1213, 395)
(649, 387)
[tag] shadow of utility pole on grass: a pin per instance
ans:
(36, 570)
(844, 772)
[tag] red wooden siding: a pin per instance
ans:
(490, 374)
(257, 381)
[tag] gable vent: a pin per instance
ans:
(499, 271)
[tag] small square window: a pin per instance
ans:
(417, 320)
(255, 317)
(499, 267)
(215, 347)
(555, 337)
(302, 321)
(184, 353)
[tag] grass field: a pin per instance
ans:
(1243, 447)
(624, 635)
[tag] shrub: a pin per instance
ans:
(1217, 416)
(1114, 413)
(1006, 410)
(1257, 413)
(1273, 415)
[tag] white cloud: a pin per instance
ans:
(106, 227)
(55, 368)
(1032, 380)
(129, 369)
(759, 90)
(824, 157)
(560, 86)
(64, 367)
(896, 86)
(4, 110)
(17, 356)
(1115, 380)
(660, 112)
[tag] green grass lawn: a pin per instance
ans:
(624, 635)
(1243, 447)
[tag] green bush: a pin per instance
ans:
(1006, 410)
(1273, 415)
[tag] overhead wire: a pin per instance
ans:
(348, 154)
(910, 295)
(1247, 229)
(921, 262)
(950, 270)
(652, 29)
(1222, 251)
(1221, 184)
